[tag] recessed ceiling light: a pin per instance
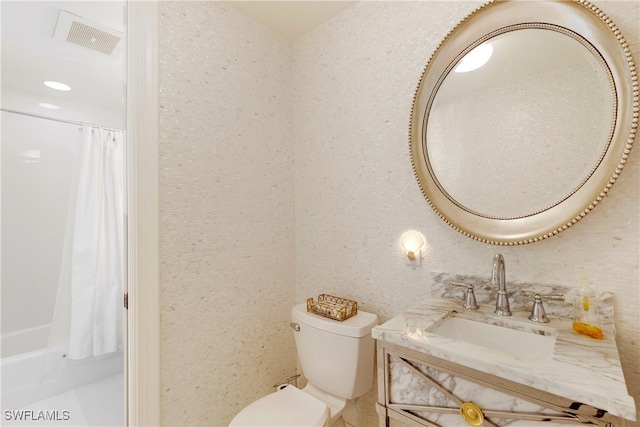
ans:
(57, 85)
(50, 106)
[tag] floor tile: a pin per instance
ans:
(100, 403)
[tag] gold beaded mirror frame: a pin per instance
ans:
(526, 145)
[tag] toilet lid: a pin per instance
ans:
(287, 407)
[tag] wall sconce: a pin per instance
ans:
(412, 243)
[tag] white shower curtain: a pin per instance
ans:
(89, 307)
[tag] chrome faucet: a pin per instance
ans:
(498, 278)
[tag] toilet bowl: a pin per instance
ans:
(337, 360)
(290, 407)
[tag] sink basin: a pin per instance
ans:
(537, 344)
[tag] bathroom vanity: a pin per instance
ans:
(440, 364)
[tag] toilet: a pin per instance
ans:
(337, 360)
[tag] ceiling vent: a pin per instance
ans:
(77, 30)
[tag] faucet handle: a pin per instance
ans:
(538, 314)
(469, 297)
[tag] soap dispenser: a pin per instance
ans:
(586, 320)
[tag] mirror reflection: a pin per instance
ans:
(524, 129)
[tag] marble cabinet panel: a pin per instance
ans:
(420, 390)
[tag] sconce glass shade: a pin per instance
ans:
(412, 241)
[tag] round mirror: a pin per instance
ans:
(523, 99)
(520, 127)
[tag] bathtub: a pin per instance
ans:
(24, 341)
(26, 379)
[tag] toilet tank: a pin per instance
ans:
(336, 357)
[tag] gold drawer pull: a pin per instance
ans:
(472, 414)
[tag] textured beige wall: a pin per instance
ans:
(355, 192)
(226, 212)
(247, 123)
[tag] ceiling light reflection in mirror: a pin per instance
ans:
(475, 59)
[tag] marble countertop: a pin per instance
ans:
(582, 369)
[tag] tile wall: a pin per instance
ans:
(226, 212)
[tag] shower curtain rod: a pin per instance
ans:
(71, 122)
